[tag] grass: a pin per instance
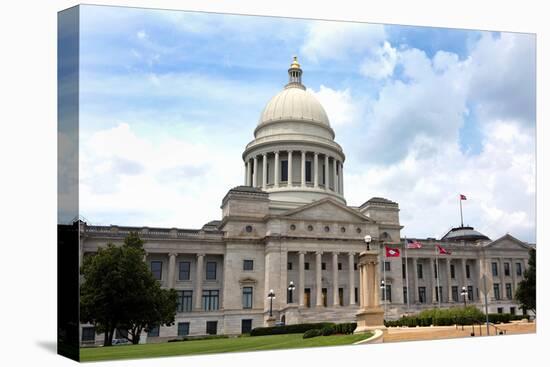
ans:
(243, 344)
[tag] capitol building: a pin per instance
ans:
(288, 229)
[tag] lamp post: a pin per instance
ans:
(368, 240)
(291, 288)
(271, 296)
(383, 288)
(464, 293)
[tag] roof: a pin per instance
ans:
(464, 234)
(378, 200)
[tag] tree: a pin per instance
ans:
(526, 293)
(119, 291)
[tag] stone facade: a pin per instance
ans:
(289, 222)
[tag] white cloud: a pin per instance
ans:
(339, 105)
(130, 180)
(141, 35)
(380, 65)
(336, 40)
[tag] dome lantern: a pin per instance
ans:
(295, 75)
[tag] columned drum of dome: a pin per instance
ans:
(295, 158)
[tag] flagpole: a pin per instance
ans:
(385, 293)
(438, 275)
(461, 219)
(407, 275)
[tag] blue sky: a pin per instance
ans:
(169, 99)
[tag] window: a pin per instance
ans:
(507, 269)
(156, 269)
(471, 293)
(210, 270)
(512, 310)
(323, 266)
(185, 301)
(509, 290)
(435, 269)
(454, 293)
(289, 266)
(246, 326)
(403, 271)
(339, 266)
(185, 270)
(248, 264)
(386, 296)
(422, 294)
(518, 269)
(438, 292)
(354, 266)
(494, 267)
(452, 271)
(468, 271)
(154, 331)
(289, 296)
(267, 174)
(88, 334)
(405, 295)
(284, 170)
(341, 296)
(121, 334)
(356, 294)
(324, 175)
(419, 271)
(247, 297)
(211, 327)
(324, 296)
(308, 171)
(210, 300)
(310, 228)
(183, 328)
(293, 227)
(387, 266)
(306, 266)
(500, 309)
(496, 291)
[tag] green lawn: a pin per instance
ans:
(243, 344)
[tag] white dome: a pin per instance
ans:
(294, 104)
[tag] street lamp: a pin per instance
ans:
(464, 293)
(368, 240)
(383, 288)
(271, 296)
(291, 288)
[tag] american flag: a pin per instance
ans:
(413, 244)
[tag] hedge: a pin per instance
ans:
(441, 317)
(312, 333)
(203, 337)
(288, 329)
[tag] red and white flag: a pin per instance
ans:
(462, 197)
(413, 244)
(392, 252)
(443, 251)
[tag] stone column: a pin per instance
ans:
(341, 185)
(363, 280)
(245, 173)
(255, 173)
(318, 279)
(334, 163)
(289, 168)
(433, 281)
(277, 170)
(326, 173)
(449, 283)
(301, 277)
(198, 282)
(335, 294)
(463, 265)
(264, 171)
(374, 275)
(351, 278)
(316, 170)
(514, 275)
(172, 269)
(247, 163)
(413, 294)
(303, 168)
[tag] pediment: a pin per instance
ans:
(247, 281)
(326, 209)
(508, 242)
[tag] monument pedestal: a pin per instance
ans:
(370, 319)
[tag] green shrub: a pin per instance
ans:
(312, 333)
(327, 330)
(288, 329)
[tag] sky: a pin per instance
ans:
(169, 99)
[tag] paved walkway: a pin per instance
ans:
(396, 334)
